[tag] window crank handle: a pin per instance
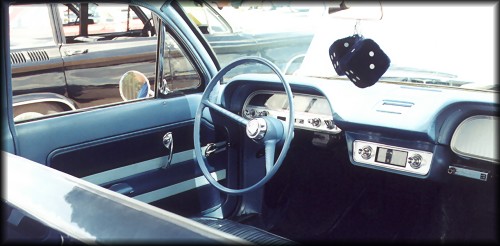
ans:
(168, 141)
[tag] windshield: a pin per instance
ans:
(436, 44)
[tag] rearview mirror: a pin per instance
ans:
(134, 85)
(357, 10)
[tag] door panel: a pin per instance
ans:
(99, 156)
(123, 145)
(38, 139)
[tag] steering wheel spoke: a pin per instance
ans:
(225, 112)
(270, 148)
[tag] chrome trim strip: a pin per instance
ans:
(123, 172)
(179, 187)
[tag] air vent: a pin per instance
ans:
(38, 55)
(17, 57)
(394, 107)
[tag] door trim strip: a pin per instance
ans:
(140, 167)
(179, 187)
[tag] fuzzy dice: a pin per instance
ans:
(361, 60)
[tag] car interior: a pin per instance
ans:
(273, 158)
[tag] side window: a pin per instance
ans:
(30, 26)
(205, 18)
(114, 63)
(179, 72)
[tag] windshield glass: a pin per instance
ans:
(436, 44)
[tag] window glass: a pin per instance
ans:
(30, 26)
(84, 74)
(214, 24)
(103, 19)
(435, 44)
(205, 18)
(179, 72)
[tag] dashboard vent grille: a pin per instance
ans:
(17, 57)
(38, 55)
(394, 107)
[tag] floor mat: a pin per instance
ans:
(376, 216)
(306, 198)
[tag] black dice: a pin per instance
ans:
(361, 60)
(339, 48)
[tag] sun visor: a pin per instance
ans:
(361, 60)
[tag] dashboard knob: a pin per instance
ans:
(415, 161)
(252, 113)
(316, 122)
(264, 113)
(366, 152)
(329, 124)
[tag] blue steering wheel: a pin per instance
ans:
(266, 130)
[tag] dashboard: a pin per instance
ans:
(422, 132)
(311, 112)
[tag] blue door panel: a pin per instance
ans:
(38, 139)
(121, 146)
(103, 155)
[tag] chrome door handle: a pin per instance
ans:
(72, 52)
(168, 141)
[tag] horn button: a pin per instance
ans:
(256, 128)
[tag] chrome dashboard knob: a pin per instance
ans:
(316, 122)
(252, 113)
(329, 124)
(365, 152)
(415, 161)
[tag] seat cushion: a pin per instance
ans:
(247, 232)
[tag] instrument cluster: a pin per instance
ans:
(311, 112)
